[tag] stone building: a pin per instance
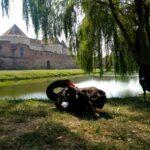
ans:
(17, 51)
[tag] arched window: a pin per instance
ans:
(21, 51)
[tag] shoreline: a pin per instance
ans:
(37, 74)
(18, 75)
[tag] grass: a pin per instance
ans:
(32, 124)
(18, 82)
(34, 74)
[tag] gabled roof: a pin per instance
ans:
(14, 31)
(57, 41)
(63, 44)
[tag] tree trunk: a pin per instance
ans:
(142, 40)
(140, 46)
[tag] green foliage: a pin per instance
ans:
(46, 15)
(69, 19)
(85, 57)
(122, 57)
(53, 17)
(108, 39)
(110, 27)
(97, 29)
(86, 42)
(5, 6)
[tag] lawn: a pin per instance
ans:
(34, 74)
(33, 124)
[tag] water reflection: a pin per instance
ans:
(115, 88)
(36, 88)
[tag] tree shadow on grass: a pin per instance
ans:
(103, 115)
(16, 102)
(47, 136)
(19, 111)
(28, 128)
(9, 104)
(43, 132)
(134, 102)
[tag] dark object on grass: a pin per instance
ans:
(144, 78)
(83, 101)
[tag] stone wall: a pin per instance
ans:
(51, 60)
(34, 44)
(16, 39)
(12, 58)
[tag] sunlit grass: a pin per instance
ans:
(33, 74)
(32, 124)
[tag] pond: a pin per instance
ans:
(35, 89)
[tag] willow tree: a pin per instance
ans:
(125, 27)
(118, 27)
(4, 6)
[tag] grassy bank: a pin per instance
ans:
(34, 74)
(124, 124)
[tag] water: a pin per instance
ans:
(115, 88)
(35, 89)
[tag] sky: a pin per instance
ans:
(15, 17)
